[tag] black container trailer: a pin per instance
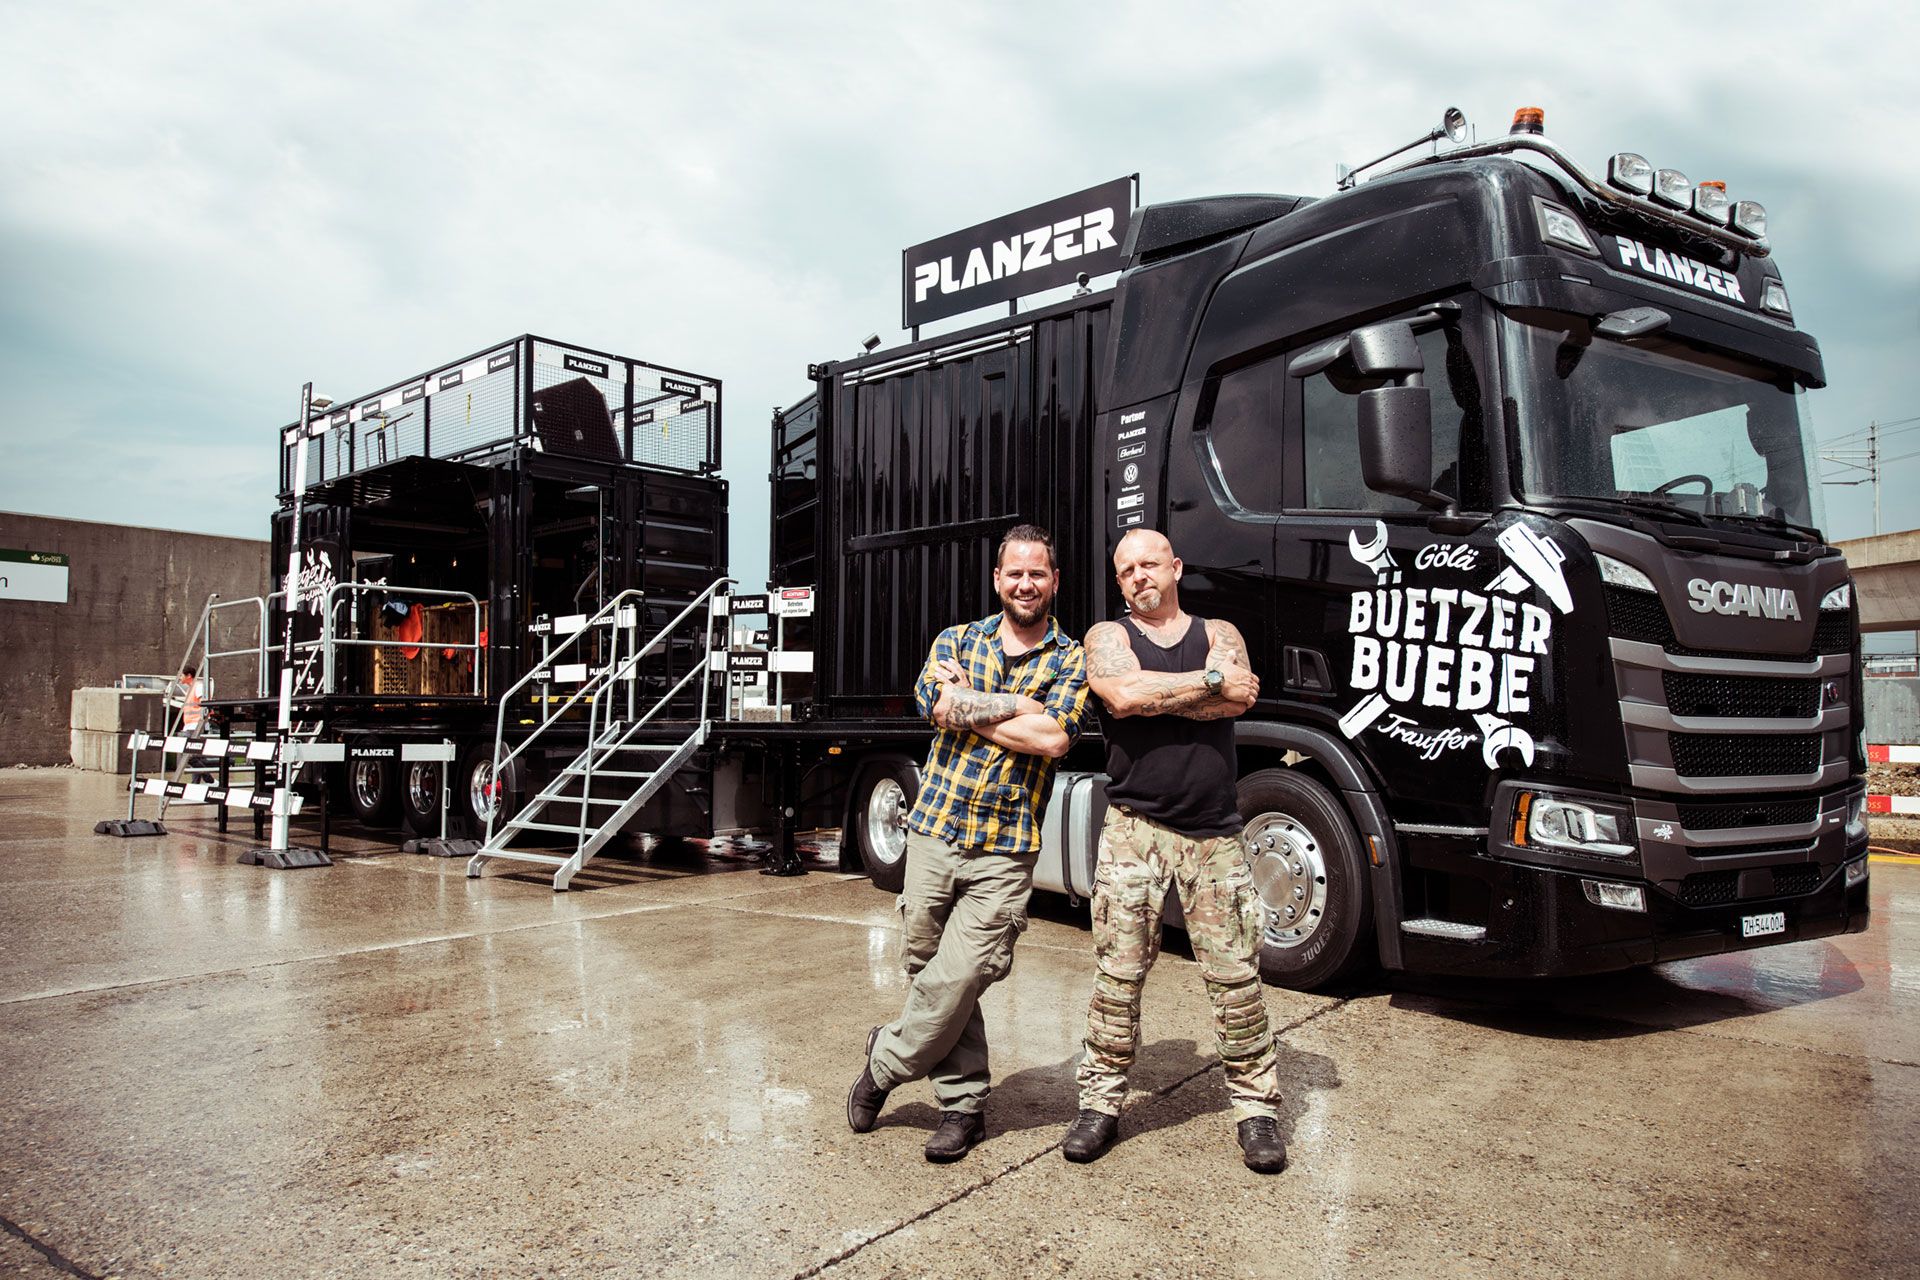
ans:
(452, 526)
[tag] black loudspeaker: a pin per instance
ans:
(570, 418)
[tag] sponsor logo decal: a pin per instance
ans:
(1743, 598)
(498, 362)
(680, 387)
(580, 364)
(1471, 648)
(1128, 419)
(1131, 451)
(1678, 268)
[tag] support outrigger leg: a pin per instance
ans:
(786, 860)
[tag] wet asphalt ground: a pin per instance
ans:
(382, 1068)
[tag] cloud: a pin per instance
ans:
(204, 205)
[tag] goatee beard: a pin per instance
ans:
(1025, 615)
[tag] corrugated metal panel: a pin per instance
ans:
(928, 466)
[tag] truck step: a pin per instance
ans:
(1452, 930)
(514, 855)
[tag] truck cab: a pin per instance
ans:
(1507, 476)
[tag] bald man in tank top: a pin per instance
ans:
(1168, 686)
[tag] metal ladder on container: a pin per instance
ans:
(640, 768)
(184, 771)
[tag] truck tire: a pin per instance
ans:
(473, 790)
(373, 791)
(420, 796)
(877, 807)
(1312, 879)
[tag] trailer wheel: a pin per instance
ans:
(474, 792)
(373, 790)
(877, 817)
(420, 795)
(1311, 877)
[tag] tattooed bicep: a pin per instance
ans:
(1226, 643)
(1108, 653)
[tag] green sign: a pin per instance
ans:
(33, 575)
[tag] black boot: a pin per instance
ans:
(1089, 1136)
(958, 1132)
(1260, 1144)
(866, 1098)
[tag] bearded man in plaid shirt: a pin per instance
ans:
(1007, 695)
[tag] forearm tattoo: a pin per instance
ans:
(967, 709)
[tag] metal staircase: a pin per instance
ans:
(610, 693)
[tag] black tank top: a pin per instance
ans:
(1175, 771)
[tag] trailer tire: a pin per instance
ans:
(1311, 878)
(877, 806)
(420, 796)
(373, 791)
(472, 787)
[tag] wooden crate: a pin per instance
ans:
(431, 673)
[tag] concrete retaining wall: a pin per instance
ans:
(1893, 710)
(133, 599)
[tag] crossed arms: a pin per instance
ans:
(1010, 720)
(1114, 675)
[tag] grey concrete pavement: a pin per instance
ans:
(381, 1068)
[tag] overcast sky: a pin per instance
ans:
(204, 205)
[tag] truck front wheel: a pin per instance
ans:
(877, 815)
(1311, 877)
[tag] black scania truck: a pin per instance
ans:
(1506, 475)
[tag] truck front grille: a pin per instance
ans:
(1718, 888)
(1745, 697)
(1715, 755)
(1758, 813)
(1639, 615)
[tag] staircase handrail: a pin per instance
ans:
(598, 681)
(329, 642)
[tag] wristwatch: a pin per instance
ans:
(1215, 683)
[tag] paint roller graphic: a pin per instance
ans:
(1536, 562)
(1373, 553)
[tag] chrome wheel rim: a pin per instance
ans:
(480, 789)
(1290, 874)
(364, 778)
(423, 788)
(887, 821)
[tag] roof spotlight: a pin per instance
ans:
(1750, 216)
(1670, 186)
(869, 342)
(1710, 202)
(1630, 171)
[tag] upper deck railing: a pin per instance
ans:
(479, 409)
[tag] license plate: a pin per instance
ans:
(1763, 924)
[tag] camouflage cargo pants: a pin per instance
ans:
(1139, 861)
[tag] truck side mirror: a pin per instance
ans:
(1396, 441)
(1396, 428)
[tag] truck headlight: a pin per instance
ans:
(1857, 817)
(1621, 574)
(1841, 597)
(1856, 872)
(1542, 820)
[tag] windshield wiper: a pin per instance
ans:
(1780, 522)
(1650, 506)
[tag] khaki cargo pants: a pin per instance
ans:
(961, 913)
(1139, 860)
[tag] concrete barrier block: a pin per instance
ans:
(97, 751)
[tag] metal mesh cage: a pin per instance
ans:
(477, 408)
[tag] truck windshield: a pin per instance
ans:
(1659, 422)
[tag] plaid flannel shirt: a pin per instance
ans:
(975, 793)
